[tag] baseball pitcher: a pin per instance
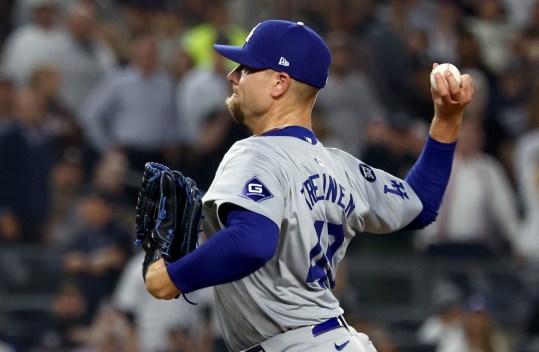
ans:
(282, 208)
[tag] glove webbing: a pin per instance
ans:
(146, 203)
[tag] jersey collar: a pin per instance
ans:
(299, 132)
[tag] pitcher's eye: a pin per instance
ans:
(245, 70)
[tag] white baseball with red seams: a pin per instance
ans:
(442, 68)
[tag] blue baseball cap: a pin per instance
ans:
(284, 47)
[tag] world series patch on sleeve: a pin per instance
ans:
(168, 215)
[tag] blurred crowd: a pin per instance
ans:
(90, 90)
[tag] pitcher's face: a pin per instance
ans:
(250, 96)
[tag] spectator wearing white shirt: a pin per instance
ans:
(446, 319)
(480, 333)
(84, 59)
(133, 109)
(33, 44)
(200, 92)
(349, 96)
(479, 211)
(156, 318)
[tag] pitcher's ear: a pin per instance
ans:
(281, 84)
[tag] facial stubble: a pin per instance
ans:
(234, 107)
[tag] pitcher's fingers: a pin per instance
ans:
(453, 85)
(443, 90)
(468, 88)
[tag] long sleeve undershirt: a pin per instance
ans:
(250, 240)
(429, 178)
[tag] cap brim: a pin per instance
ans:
(239, 55)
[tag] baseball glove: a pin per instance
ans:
(168, 215)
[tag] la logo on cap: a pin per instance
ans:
(251, 33)
(283, 46)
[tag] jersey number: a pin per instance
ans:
(321, 269)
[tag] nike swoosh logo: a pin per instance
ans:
(341, 347)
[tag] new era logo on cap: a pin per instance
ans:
(284, 47)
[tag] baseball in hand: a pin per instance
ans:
(442, 68)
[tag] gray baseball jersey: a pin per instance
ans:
(319, 198)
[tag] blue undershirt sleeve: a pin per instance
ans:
(429, 178)
(247, 243)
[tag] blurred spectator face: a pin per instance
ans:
(478, 325)
(421, 84)
(535, 14)
(319, 124)
(221, 64)
(81, 21)
(491, 10)
(69, 304)
(340, 60)
(29, 107)
(513, 82)
(341, 50)
(7, 93)
(416, 41)
(111, 172)
(181, 64)
(144, 54)
(44, 13)
(96, 211)
(398, 138)
(180, 340)
(67, 175)
(46, 80)
(532, 120)
(528, 46)
(417, 134)
(448, 12)
(137, 20)
(471, 138)
(468, 49)
(166, 22)
(218, 14)
(377, 132)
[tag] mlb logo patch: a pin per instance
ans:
(319, 161)
(255, 190)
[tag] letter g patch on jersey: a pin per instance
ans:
(255, 190)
